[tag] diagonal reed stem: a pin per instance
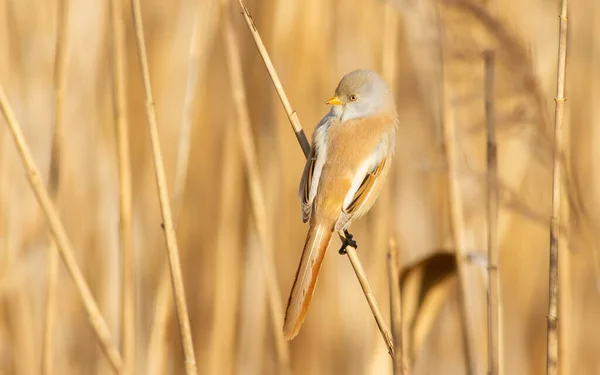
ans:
(128, 295)
(292, 115)
(163, 195)
(60, 237)
(256, 190)
(552, 333)
(60, 65)
(301, 137)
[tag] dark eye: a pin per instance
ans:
(353, 98)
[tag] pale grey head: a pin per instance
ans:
(361, 93)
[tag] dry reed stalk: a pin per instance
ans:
(552, 333)
(60, 236)
(205, 21)
(370, 296)
(493, 300)
(227, 259)
(301, 137)
(257, 199)
(60, 65)
(396, 307)
(128, 295)
(292, 115)
(163, 195)
(457, 223)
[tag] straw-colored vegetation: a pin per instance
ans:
(435, 201)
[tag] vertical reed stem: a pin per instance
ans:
(60, 64)
(163, 195)
(396, 308)
(552, 333)
(128, 295)
(493, 295)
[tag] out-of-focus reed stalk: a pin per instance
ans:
(256, 190)
(128, 294)
(297, 127)
(457, 223)
(204, 26)
(227, 286)
(396, 307)
(163, 195)
(493, 293)
(203, 30)
(552, 333)
(60, 236)
(60, 65)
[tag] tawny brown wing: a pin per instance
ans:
(365, 195)
(305, 191)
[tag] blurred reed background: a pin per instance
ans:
(431, 50)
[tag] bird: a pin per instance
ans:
(348, 163)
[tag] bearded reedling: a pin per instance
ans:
(349, 160)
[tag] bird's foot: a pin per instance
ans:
(347, 241)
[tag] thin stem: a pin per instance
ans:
(128, 295)
(202, 34)
(301, 137)
(396, 307)
(493, 295)
(552, 333)
(458, 230)
(60, 65)
(60, 236)
(292, 115)
(163, 195)
(370, 296)
(256, 190)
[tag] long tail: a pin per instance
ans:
(317, 241)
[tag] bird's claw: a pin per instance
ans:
(347, 241)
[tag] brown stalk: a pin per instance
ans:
(396, 307)
(301, 137)
(60, 236)
(60, 65)
(256, 190)
(163, 195)
(552, 333)
(128, 295)
(493, 295)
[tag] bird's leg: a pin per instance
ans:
(347, 241)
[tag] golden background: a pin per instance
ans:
(431, 52)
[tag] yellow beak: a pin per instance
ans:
(334, 101)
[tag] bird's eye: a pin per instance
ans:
(353, 98)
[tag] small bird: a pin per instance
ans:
(349, 160)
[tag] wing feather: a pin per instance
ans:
(314, 165)
(365, 195)
(306, 184)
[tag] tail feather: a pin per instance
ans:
(317, 242)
